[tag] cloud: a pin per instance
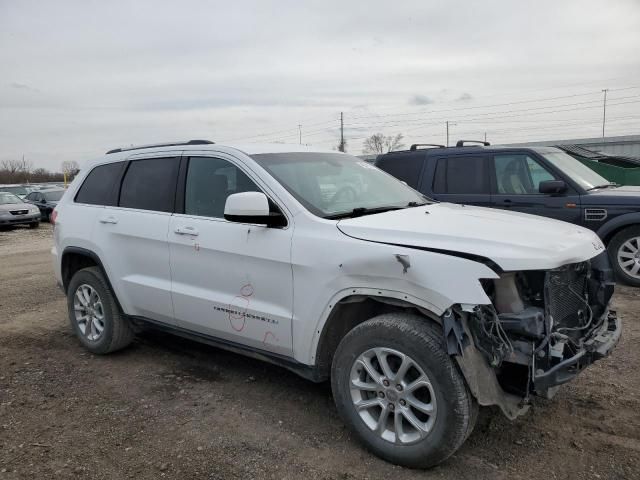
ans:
(420, 100)
(22, 86)
(250, 67)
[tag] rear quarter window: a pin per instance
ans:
(406, 168)
(101, 185)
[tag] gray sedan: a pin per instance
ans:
(14, 211)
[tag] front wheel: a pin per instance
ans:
(399, 390)
(624, 252)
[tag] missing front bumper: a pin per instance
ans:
(597, 346)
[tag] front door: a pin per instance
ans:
(229, 280)
(516, 183)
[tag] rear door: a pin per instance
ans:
(229, 280)
(515, 179)
(132, 236)
(462, 179)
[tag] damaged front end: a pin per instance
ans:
(541, 330)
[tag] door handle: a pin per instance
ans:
(186, 231)
(110, 219)
(507, 203)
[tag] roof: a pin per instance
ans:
(249, 149)
(465, 149)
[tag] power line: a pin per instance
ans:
(531, 109)
(490, 106)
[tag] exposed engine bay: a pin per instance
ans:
(544, 327)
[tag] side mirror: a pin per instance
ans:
(251, 207)
(552, 187)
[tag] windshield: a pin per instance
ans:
(16, 190)
(8, 198)
(575, 169)
(53, 196)
(334, 183)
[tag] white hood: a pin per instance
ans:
(514, 241)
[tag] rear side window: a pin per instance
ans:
(405, 168)
(461, 175)
(150, 184)
(101, 185)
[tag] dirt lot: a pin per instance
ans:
(171, 408)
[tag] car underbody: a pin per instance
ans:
(541, 330)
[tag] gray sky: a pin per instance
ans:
(81, 77)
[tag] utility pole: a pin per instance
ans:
(448, 123)
(604, 109)
(485, 137)
(341, 132)
(300, 131)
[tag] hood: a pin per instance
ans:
(514, 241)
(625, 195)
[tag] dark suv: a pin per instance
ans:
(538, 180)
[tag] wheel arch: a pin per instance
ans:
(613, 226)
(353, 308)
(76, 258)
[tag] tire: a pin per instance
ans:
(116, 330)
(420, 340)
(623, 243)
(34, 225)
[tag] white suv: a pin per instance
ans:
(416, 311)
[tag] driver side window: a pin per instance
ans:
(519, 174)
(209, 182)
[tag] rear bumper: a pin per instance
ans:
(599, 345)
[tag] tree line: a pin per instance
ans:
(377, 143)
(22, 171)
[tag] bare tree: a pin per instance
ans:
(15, 171)
(342, 146)
(379, 143)
(70, 167)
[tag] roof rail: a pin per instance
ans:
(170, 144)
(416, 145)
(461, 143)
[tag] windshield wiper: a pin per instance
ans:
(361, 211)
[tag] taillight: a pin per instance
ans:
(53, 217)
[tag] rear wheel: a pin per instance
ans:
(624, 252)
(94, 314)
(402, 394)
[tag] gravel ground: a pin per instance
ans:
(167, 407)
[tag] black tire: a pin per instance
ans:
(420, 339)
(614, 246)
(34, 225)
(117, 333)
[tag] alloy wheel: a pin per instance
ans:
(629, 257)
(89, 312)
(392, 395)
